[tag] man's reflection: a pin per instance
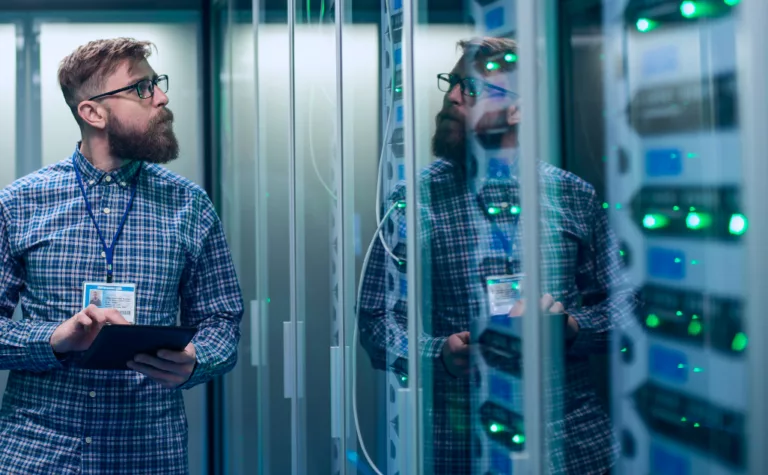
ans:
(471, 228)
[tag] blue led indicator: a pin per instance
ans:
(398, 56)
(401, 172)
(666, 263)
(664, 462)
(403, 287)
(494, 18)
(501, 463)
(500, 389)
(663, 162)
(668, 364)
(397, 4)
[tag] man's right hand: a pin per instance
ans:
(77, 333)
(456, 354)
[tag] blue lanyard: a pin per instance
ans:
(500, 235)
(108, 250)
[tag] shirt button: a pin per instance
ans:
(92, 394)
(103, 254)
(122, 183)
(106, 210)
(91, 182)
(88, 440)
(108, 178)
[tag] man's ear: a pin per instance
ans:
(93, 114)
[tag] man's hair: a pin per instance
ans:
(83, 73)
(484, 50)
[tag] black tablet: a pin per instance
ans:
(115, 345)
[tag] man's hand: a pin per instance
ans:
(548, 305)
(456, 354)
(169, 368)
(78, 333)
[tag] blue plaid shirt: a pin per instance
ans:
(55, 416)
(580, 266)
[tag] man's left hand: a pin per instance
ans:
(548, 305)
(169, 368)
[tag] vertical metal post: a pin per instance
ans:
(29, 149)
(533, 351)
(753, 105)
(344, 200)
(292, 228)
(413, 243)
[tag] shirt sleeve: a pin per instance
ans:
(608, 300)
(24, 345)
(383, 319)
(211, 301)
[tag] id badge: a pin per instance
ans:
(121, 297)
(503, 293)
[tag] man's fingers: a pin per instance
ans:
(83, 321)
(546, 302)
(159, 363)
(517, 309)
(114, 317)
(557, 308)
(180, 357)
(158, 375)
(105, 315)
(464, 336)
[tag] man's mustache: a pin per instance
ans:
(450, 115)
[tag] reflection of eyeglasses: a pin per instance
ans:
(472, 87)
(144, 88)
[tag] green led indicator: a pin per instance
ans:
(496, 428)
(514, 210)
(518, 438)
(618, 205)
(655, 221)
(680, 366)
(738, 224)
(694, 328)
(739, 342)
(697, 221)
(510, 57)
(732, 3)
(695, 317)
(404, 378)
(697, 370)
(678, 260)
(494, 210)
(697, 425)
(683, 419)
(694, 262)
(622, 253)
(679, 313)
(652, 321)
(692, 155)
(269, 300)
(688, 9)
(398, 89)
(516, 285)
(644, 25)
(606, 205)
(692, 209)
(492, 66)
(401, 204)
(624, 350)
(676, 208)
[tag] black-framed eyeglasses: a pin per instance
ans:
(472, 87)
(145, 88)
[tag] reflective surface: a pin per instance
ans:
(536, 267)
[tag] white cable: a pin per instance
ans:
(355, 337)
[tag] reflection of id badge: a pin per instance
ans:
(121, 297)
(503, 292)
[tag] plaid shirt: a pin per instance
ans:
(55, 416)
(580, 267)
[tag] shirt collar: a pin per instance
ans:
(92, 176)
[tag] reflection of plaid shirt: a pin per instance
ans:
(580, 266)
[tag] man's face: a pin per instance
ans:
(138, 129)
(486, 114)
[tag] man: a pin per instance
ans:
(469, 218)
(109, 214)
(95, 298)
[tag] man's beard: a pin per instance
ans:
(450, 143)
(158, 144)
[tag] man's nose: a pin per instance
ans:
(160, 98)
(455, 96)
